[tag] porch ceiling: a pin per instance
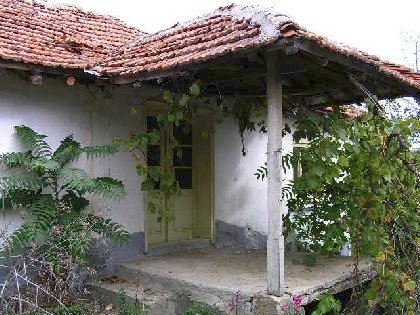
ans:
(310, 75)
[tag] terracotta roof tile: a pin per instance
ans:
(58, 36)
(397, 71)
(228, 29)
(67, 37)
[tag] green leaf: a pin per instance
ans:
(16, 159)
(154, 172)
(109, 188)
(100, 151)
(20, 181)
(318, 169)
(42, 165)
(171, 117)
(33, 141)
(184, 100)
(68, 151)
(167, 96)
(76, 179)
(74, 201)
(195, 90)
(179, 115)
(148, 184)
(108, 228)
(327, 304)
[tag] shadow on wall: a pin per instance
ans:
(232, 235)
(240, 199)
(104, 254)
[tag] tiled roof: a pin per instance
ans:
(228, 29)
(66, 37)
(224, 31)
(58, 36)
(400, 72)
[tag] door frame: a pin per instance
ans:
(154, 108)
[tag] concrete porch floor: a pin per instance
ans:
(214, 275)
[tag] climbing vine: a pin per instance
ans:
(361, 186)
(249, 117)
(159, 181)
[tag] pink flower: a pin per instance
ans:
(297, 301)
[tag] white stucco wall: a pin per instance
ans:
(241, 199)
(92, 115)
(95, 116)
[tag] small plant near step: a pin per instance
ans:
(328, 305)
(294, 307)
(68, 310)
(200, 309)
(236, 301)
(309, 260)
(127, 308)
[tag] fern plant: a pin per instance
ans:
(54, 194)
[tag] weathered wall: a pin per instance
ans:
(241, 199)
(96, 116)
(93, 116)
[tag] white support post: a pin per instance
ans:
(275, 240)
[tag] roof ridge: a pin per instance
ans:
(267, 19)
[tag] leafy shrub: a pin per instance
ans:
(361, 186)
(327, 305)
(200, 309)
(55, 195)
(55, 239)
(68, 310)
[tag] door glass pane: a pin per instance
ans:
(182, 156)
(153, 155)
(184, 178)
(152, 124)
(182, 134)
(153, 151)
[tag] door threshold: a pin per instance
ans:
(179, 246)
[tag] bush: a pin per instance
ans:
(55, 239)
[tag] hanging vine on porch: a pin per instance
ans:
(160, 181)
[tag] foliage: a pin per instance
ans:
(309, 260)
(294, 307)
(68, 310)
(55, 195)
(244, 115)
(200, 309)
(361, 185)
(261, 172)
(127, 308)
(327, 305)
(160, 181)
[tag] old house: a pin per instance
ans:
(67, 71)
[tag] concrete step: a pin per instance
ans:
(217, 297)
(155, 302)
